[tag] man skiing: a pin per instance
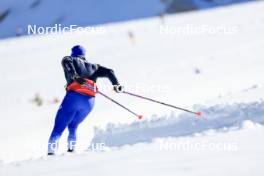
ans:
(78, 102)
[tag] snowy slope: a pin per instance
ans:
(17, 15)
(215, 117)
(230, 67)
(72, 12)
(225, 153)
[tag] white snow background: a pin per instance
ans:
(228, 89)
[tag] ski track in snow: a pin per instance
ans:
(215, 117)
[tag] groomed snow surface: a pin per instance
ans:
(218, 74)
(236, 151)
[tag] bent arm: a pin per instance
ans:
(105, 72)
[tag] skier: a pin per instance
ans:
(78, 102)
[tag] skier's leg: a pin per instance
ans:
(87, 106)
(64, 116)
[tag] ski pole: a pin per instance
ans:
(114, 101)
(155, 101)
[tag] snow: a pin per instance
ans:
(81, 12)
(228, 89)
(215, 117)
(219, 153)
(84, 12)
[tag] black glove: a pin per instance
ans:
(80, 80)
(118, 88)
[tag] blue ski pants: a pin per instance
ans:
(73, 110)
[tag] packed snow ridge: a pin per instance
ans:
(215, 117)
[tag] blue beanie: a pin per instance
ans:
(78, 50)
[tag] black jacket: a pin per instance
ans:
(78, 67)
